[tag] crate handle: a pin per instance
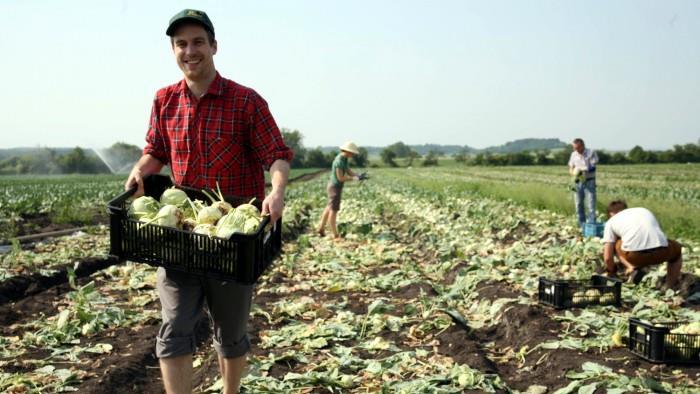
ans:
(116, 204)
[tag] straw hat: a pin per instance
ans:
(350, 147)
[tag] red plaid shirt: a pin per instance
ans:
(227, 136)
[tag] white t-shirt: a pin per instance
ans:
(585, 161)
(638, 229)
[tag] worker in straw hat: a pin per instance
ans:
(340, 173)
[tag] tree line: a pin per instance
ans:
(76, 161)
(687, 153)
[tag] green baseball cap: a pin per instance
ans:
(190, 15)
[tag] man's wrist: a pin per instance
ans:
(278, 191)
(137, 171)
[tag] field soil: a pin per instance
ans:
(507, 348)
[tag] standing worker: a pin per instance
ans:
(340, 173)
(634, 235)
(208, 129)
(582, 165)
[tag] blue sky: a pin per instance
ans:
(617, 74)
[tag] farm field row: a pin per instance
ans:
(32, 204)
(671, 191)
(431, 290)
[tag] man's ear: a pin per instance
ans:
(215, 45)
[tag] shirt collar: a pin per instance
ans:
(216, 88)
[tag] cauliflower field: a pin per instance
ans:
(433, 289)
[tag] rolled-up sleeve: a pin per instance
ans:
(266, 140)
(155, 143)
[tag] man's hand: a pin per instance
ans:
(273, 205)
(135, 179)
(146, 165)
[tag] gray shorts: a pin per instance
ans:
(183, 297)
(334, 194)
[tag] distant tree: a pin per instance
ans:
(43, 161)
(330, 156)
(431, 159)
(639, 155)
(412, 155)
(122, 156)
(401, 149)
(74, 162)
(542, 158)
(688, 153)
(360, 160)
(388, 157)
(12, 165)
(461, 156)
(561, 156)
(519, 159)
(603, 157)
(618, 158)
(316, 159)
(294, 140)
(495, 160)
(479, 160)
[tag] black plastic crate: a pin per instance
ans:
(241, 258)
(655, 343)
(563, 294)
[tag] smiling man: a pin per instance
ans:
(209, 130)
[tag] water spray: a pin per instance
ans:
(103, 158)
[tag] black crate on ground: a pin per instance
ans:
(655, 343)
(565, 293)
(241, 258)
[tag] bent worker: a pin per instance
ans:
(634, 235)
(340, 173)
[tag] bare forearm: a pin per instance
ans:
(279, 176)
(148, 165)
(609, 256)
(344, 176)
(609, 260)
(274, 202)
